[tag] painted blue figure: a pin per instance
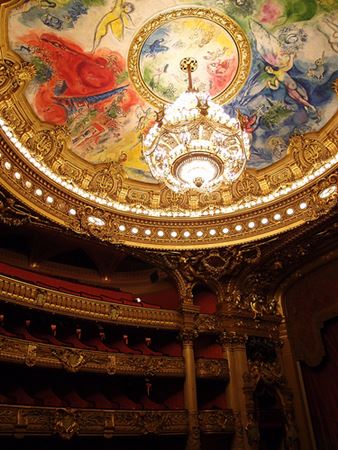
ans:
(157, 47)
(52, 21)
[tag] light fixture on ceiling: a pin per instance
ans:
(194, 144)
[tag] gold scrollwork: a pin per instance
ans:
(13, 76)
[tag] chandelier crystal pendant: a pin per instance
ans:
(194, 144)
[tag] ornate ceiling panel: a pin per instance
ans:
(80, 81)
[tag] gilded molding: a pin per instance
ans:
(212, 368)
(26, 294)
(23, 421)
(75, 360)
(66, 422)
(269, 373)
(217, 421)
(57, 203)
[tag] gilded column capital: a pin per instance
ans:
(231, 338)
(187, 336)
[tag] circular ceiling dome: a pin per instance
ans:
(81, 86)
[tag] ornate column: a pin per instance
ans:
(188, 334)
(234, 351)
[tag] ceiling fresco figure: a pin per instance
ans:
(116, 19)
(272, 53)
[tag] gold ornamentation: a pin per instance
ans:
(232, 338)
(322, 205)
(69, 171)
(24, 293)
(188, 336)
(10, 114)
(111, 365)
(47, 145)
(108, 181)
(217, 421)
(280, 178)
(260, 305)
(212, 368)
(72, 360)
(96, 222)
(246, 187)
(225, 22)
(30, 359)
(66, 423)
(13, 76)
(14, 213)
(173, 200)
(269, 373)
(308, 152)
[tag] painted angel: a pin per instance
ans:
(116, 20)
(278, 65)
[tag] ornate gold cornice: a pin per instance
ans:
(54, 202)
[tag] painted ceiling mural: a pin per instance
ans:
(80, 51)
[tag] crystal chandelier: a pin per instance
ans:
(194, 144)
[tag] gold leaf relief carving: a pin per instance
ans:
(213, 198)
(13, 76)
(12, 117)
(246, 186)
(138, 196)
(308, 152)
(280, 177)
(103, 183)
(70, 172)
(173, 200)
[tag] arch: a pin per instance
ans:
(205, 298)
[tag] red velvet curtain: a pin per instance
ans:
(321, 385)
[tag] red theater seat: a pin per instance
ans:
(142, 347)
(100, 401)
(75, 401)
(99, 345)
(4, 332)
(22, 398)
(175, 401)
(74, 341)
(147, 403)
(123, 348)
(125, 402)
(49, 398)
